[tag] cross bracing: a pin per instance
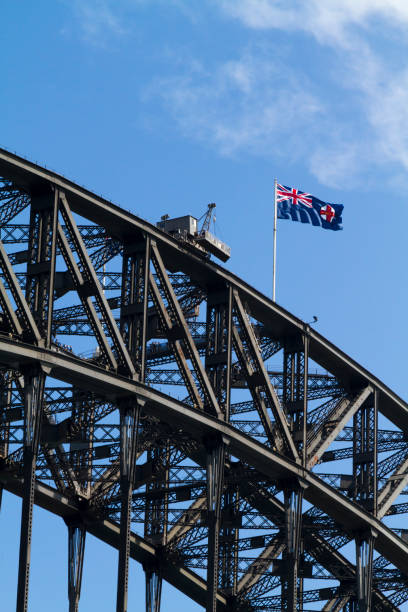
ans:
(199, 428)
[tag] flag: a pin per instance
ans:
(301, 206)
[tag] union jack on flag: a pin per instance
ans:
(293, 195)
(301, 206)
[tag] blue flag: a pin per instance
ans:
(300, 206)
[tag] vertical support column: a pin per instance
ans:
(295, 400)
(218, 367)
(215, 478)
(229, 538)
(5, 401)
(365, 426)
(364, 573)
(129, 423)
(365, 454)
(218, 349)
(76, 550)
(83, 418)
(156, 520)
(295, 373)
(134, 302)
(33, 400)
(41, 260)
(293, 497)
(156, 517)
(303, 420)
(5, 404)
(153, 589)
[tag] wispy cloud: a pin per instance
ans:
(256, 104)
(329, 21)
(385, 99)
(98, 20)
(380, 86)
(244, 104)
(262, 106)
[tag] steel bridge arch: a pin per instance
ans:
(241, 477)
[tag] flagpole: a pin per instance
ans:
(274, 241)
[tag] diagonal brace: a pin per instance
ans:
(93, 286)
(185, 334)
(264, 382)
(343, 412)
(29, 324)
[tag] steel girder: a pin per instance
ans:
(179, 484)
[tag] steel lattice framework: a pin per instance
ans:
(205, 431)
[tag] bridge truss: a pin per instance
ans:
(155, 400)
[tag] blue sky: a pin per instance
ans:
(166, 105)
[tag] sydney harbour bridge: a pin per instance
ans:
(155, 400)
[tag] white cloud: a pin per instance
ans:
(334, 165)
(261, 106)
(98, 20)
(101, 19)
(245, 104)
(327, 20)
(385, 100)
(255, 104)
(383, 88)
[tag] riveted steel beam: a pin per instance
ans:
(365, 456)
(90, 285)
(364, 571)
(76, 551)
(215, 484)
(153, 589)
(295, 390)
(41, 260)
(293, 497)
(134, 302)
(33, 407)
(28, 324)
(129, 424)
(261, 564)
(255, 369)
(219, 346)
(14, 201)
(328, 431)
(80, 285)
(176, 325)
(395, 484)
(11, 320)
